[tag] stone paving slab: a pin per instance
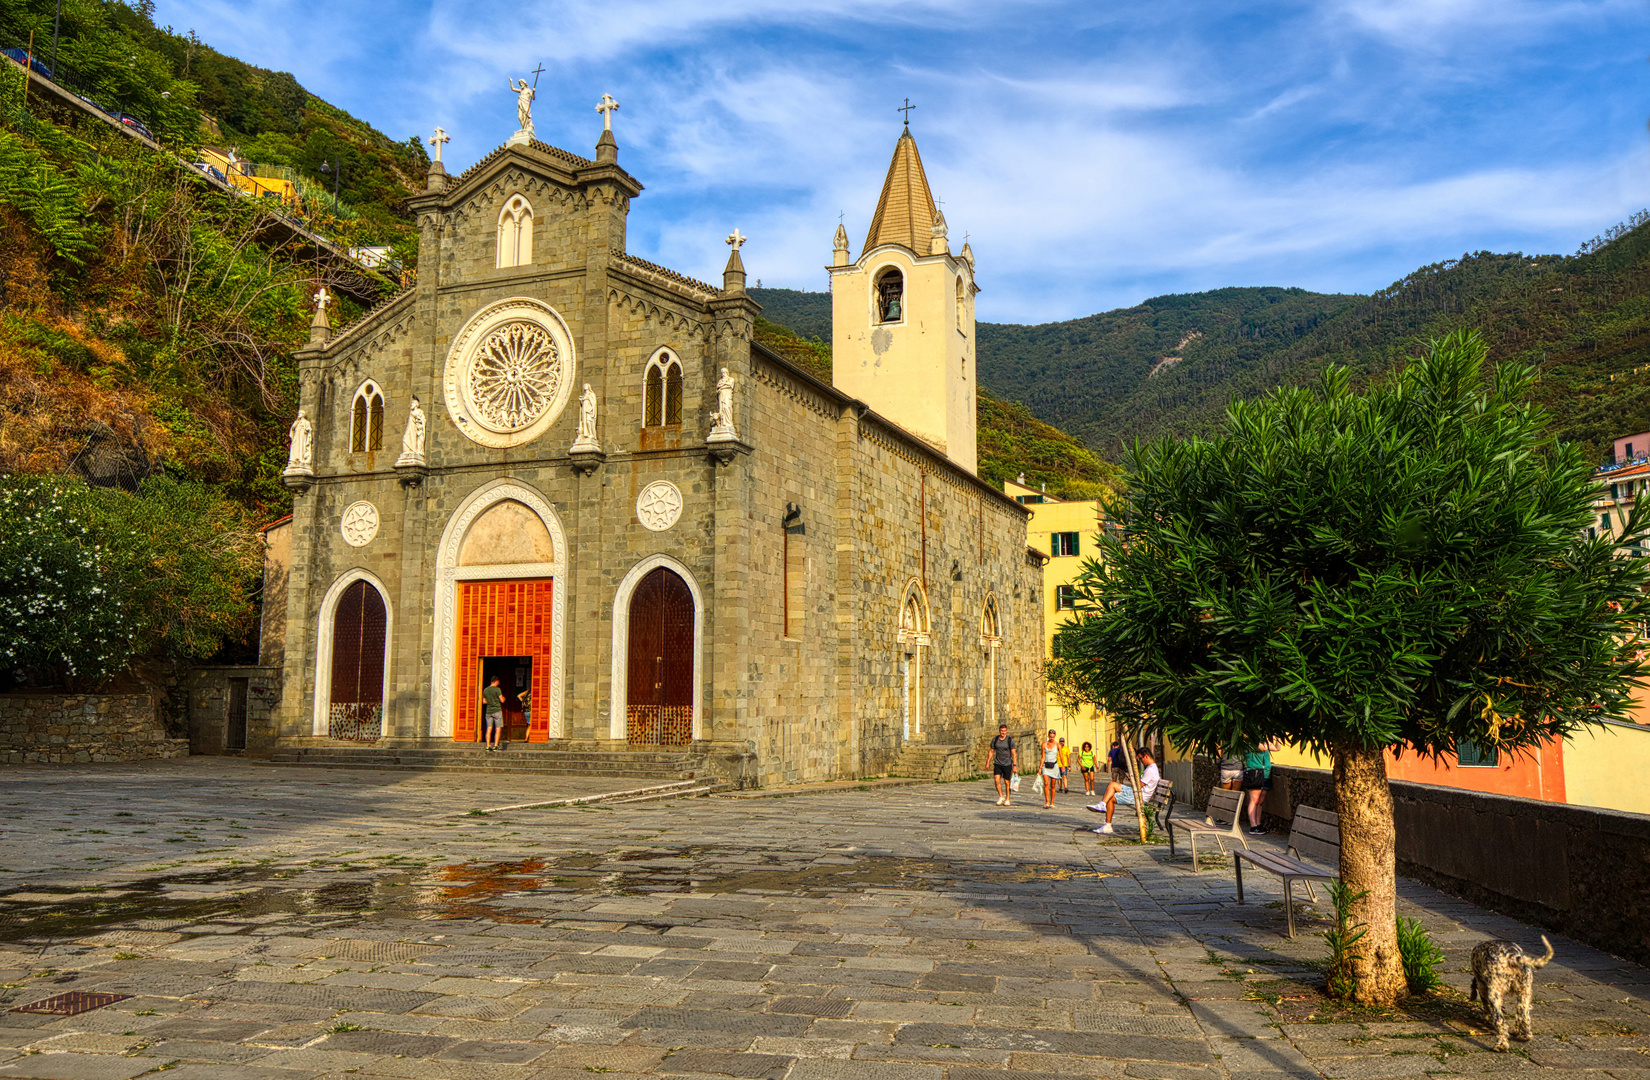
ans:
(282, 923)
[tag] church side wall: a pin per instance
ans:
(915, 523)
(792, 688)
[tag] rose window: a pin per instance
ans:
(515, 375)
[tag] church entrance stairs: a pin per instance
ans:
(929, 761)
(536, 759)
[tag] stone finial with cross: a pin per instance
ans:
(906, 109)
(736, 240)
(439, 139)
(322, 298)
(606, 106)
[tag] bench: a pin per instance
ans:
(1224, 821)
(1313, 834)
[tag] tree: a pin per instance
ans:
(1404, 568)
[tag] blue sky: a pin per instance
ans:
(1097, 153)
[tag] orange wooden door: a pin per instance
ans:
(502, 618)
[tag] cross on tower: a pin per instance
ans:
(437, 140)
(906, 109)
(606, 107)
(735, 240)
(322, 298)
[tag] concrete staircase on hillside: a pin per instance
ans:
(662, 765)
(928, 761)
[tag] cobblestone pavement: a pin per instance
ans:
(279, 923)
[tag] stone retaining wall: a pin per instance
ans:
(1578, 870)
(60, 729)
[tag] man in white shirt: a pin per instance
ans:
(1123, 793)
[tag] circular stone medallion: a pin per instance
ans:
(359, 523)
(509, 372)
(659, 505)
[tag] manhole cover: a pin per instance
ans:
(73, 1003)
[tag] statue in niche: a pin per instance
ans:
(586, 439)
(300, 455)
(721, 421)
(412, 440)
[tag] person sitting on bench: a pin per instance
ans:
(1123, 793)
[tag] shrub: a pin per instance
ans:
(1421, 956)
(1347, 932)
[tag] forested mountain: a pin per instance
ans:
(1171, 364)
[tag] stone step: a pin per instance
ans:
(535, 760)
(698, 792)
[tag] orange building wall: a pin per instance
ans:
(1540, 775)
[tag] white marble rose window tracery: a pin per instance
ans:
(662, 390)
(366, 429)
(515, 233)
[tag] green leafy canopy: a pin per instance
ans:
(1403, 567)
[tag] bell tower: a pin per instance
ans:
(902, 315)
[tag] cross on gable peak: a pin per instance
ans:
(736, 239)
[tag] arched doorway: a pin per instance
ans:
(355, 704)
(659, 664)
(913, 639)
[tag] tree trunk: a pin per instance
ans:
(1369, 864)
(1134, 778)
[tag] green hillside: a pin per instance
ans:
(1171, 364)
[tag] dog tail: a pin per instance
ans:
(1542, 961)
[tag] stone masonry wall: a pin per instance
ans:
(1578, 870)
(209, 704)
(61, 729)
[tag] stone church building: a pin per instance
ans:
(555, 463)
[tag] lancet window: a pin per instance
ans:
(515, 232)
(366, 429)
(662, 390)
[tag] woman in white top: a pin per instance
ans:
(1051, 767)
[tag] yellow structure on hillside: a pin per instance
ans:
(1065, 532)
(260, 181)
(902, 315)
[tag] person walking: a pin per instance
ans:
(1085, 765)
(1051, 768)
(1257, 781)
(1005, 759)
(1122, 792)
(492, 713)
(1118, 763)
(1065, 766)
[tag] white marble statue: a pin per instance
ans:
(721, 421)
(300, 456)
(412, 440)
(524, 104)
(586, 439)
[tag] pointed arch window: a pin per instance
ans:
(662, 390)
(515, 232)
(890, 298)
(366, 428)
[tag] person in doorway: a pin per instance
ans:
(1004, 760)
(1123, 793)
(1118, 763)
(1257, 781)
(1065, 766)
(1051, 768)
(1085, 765)
(492, 713)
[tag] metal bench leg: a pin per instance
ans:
(1195, 867)
(1237, 864)
(1310, 896)
(1289, 902)
(1171, 840)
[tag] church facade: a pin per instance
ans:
(559, 465)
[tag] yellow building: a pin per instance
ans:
(1065, 532)
(902, 315)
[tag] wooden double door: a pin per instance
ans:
(659, 669)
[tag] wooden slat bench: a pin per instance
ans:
(1313, 834)
(1224, 821)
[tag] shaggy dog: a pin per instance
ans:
(1500, 968)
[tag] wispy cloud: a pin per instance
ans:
(1095, 154)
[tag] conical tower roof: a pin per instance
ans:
(905, 212)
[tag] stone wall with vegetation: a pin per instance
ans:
(60, 729)
(1578, 870)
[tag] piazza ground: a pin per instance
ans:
(272, 923)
